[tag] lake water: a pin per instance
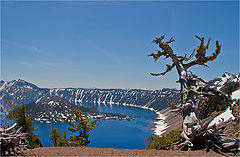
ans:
(110, 133)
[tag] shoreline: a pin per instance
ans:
(159, 122)
(160, 125)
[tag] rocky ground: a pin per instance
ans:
(173, 120)
(88, 151)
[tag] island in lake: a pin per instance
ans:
(54, 109)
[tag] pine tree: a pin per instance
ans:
(63, 140)
(229, 90)
(82, 127)
(55, 135)
(18, 114)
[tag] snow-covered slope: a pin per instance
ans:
(19, 90)
(236, 94)
(222, 117)
(224, 81)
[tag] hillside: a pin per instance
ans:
(20, 90)
(173, 121)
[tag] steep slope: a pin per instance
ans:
(224, 81)
(173, 121)
(19, 90)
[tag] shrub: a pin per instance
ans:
(55, 135)
(163, 142)
(82, 127)
(18, 114)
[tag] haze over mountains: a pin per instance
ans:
(20, 90)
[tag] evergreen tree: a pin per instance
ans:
(18, 114)
(55, 135)
(229, 90)
(82, 127)
(63, 140)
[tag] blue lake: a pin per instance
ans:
(110, 133)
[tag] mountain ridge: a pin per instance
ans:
(20, 90)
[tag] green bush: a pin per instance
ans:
(82, 127)
(18, 114)
(59, 139)
(55, 135)
(163, 142)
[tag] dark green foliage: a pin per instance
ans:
(229, 90)
(210, 105)
(82, 127)
(59, 139)
(62, 141)
(163, 142)
(55, 135)
(18, 114)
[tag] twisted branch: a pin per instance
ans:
(169, 68)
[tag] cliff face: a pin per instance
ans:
(20, 90)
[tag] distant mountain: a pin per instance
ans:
(224, 81)
(19, 90)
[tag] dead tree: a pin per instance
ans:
(194, 132)
(12, 140)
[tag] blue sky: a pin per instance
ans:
(105, 44)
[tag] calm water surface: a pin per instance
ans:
(110, 133)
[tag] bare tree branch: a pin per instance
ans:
(169, 68)
(201, 58)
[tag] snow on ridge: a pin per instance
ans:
(51, 102)
(236, 94)
(29, 87)
(38, 100)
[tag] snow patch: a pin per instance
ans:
(222, 117)
(38, 100)
(160, 126)
(236, 94)
(51, 102)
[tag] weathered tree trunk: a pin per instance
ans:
(191, 123)
(194, 132)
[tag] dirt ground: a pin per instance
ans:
(89, 151)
